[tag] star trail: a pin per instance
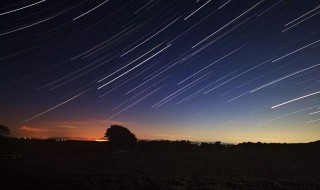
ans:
(234, 70)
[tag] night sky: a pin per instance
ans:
(228, 70)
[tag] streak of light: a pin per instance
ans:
(175, 62)
(129, 63)
(197, 10)
(43, 10)
(154, 76)
(248, 92)
(236, 76)
(130, 79)
(259, 109)
(209, 65)
(286, 115)
(143, 6)
(246, 83)
(102, 43)
(224, 4)
(210, 43)
(134, 67)
(191, 96)
(111, 41)
(213, 41)
(295, 51)
(164, 100)
(149, 38)
(315, 46)
(117, 39)
(183, 91)
(228, 92)
(31, 75)
(77, 90)
(55, 29)
(237, 87)
(269, 8)
(199, 91)
(66, 76)
(134, 75)
(190, 28)
(221, 36)
(301, 21)
(304, 74)
(188, 98)
(313, 121)
(134, 103)
(291, 42)
(36, 23)
(282, 78)
(21, 8)
(27, 26)
(241, 116)
(135, 18)
(315, 100)
(14, 4)
(81, 74)
(302, 15)
(108, 17)
(311, 86)
(140, 85)
(90, 10)
(293, 100)
(238, 96)
(139, 93)
(226, 24)
(314, 112)
(147, 34)
(54, 107)
(16, 54)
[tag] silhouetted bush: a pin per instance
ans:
(166, 145)
(4, 130)
(120, 137)
(212, 146)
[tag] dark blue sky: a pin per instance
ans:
(238, 70)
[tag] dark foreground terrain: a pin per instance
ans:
(92, 165)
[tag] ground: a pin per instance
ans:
(90, 166)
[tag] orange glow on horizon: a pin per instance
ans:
(94, 130)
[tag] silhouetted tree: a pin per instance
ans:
(217, 143)
(120, 137)
(4, 130)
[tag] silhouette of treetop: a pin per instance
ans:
(120, 136)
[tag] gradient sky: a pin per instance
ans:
(202, 70)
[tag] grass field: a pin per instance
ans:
(88, 165)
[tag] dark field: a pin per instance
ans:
(92, 165)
